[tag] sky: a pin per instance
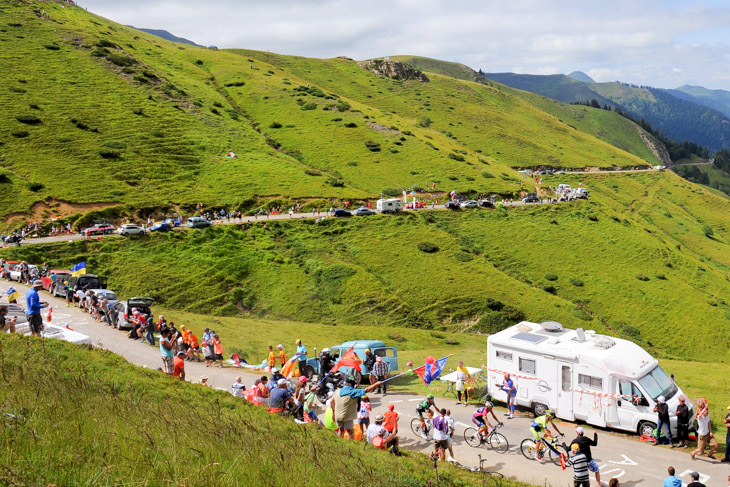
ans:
(664, 44)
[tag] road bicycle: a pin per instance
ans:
(549, 443)
(418, 431)
(496, 441)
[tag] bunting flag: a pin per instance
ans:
(288, 369)
(236, 360)
(306, 417)
(13, 295)
(79, 269)
(350, 359)
(49, 317)
(431, 370)
(250, 395)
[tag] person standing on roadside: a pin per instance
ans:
(705, 436)
(726, 458)
(584, 444)
(441, 435)
(301, 356)
(581, 477)
(282, 355)
(452, 426)
(167, 351)
(272, 357)
(462, 376)
(662, 410)
(33, 308)
(380, 370)
(509, 387)
(369, 362)
(683, 418)
(344, 406)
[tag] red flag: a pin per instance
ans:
(306, 417)
(250, 394)
(50, 314)
(350, 359)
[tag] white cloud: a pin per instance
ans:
(642, 41)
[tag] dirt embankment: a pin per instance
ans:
(49, 209)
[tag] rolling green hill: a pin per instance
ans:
(717, 99)
(447, 68)
(556, 86)
(96, 114)
(79, 416)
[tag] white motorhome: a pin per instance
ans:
(604, 381)
(389, 206)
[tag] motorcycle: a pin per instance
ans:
(331, 382)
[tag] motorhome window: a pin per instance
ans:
(527, 366)
(629, 389)
(590, 381)
(565, 378)
(657, 383)
(504, 356)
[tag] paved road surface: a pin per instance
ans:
(618, 455)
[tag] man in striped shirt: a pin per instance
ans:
(581, 477)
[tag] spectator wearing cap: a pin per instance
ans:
(662, 410)
(178, 365)
(379, 437)
(300, 391)
(584, 444)
(344, 406)
(301, 356)
(282, 355)
(726, 458)
(369, 362)
(581, 477)
(695, 480)
(390, 422)
(380, 370)
(281, 397)
(204, 380)
(33, 306)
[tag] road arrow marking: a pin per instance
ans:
(625, 461)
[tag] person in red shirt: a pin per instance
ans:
(193, 347)
(178, 365)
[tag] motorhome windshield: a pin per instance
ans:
(657, 383)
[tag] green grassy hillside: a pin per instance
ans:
(78, 416)
(96, 114)
(630, 262)
(437, 66)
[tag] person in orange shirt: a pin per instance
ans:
(184, 333)
(178, 367)
(282, 355)
(272, 356)
(218, 350)
(193, 347)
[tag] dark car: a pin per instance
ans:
(87, 281)
(531, 198)
(99, 229)
(451, 205)
(362, 211)
(486, 204)
(121, 313)
(340, 212)
(161, 227)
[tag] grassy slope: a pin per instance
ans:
(159, 117)
(370, 271)
(88, 417)
(447, 68)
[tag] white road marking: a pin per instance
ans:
(399, 400)
(462, 424)
(619, 472)
(414, 400)
(703, 478)
(625, 461)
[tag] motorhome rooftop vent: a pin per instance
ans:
(603, 343)
(529, 337)
(552, 326)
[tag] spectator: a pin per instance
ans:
(300, 392)
(441, 435)
(509, 387)
(281, 397)
(204, 380)
(178, 365)
(301, 356)
(585, 448)
(705, 436)
(262, 391)
(462, 376)
(363, 416)
(33, 308)
(683, 418)
(218, 350)
(613, 482)
(380, 370)
(282, 355)
(581, 477)
(272, 357)
(695, 480)
(344, 405)
(276, 375)
(662, 410)
(207, 353)
(310, 405)
(193, 347)
(6, 325)
(369, 362)
(726, 458)
(386, 439)
(238, 387)
(452, 427)
(390, 422)
(166, 351)
(672, 481)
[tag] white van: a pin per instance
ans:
(563, 188)
(604, 381)
(389, 206)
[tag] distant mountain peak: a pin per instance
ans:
(581, 76)
(167, 35)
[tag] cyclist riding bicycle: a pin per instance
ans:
(425, 407)
(539, 425)
(479, 418)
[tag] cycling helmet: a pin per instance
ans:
(489, 404)
(550, 413)
(429, 397)
(274, 370)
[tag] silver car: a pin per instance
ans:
(130, 229)
(469, 204)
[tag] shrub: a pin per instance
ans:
(275, 125)
(310, 105)
(19, 133)
(35, 186)
(235, 83)
(550, 289)
(427, 247)
(109, 154)
(15, 89)
(199, 62)
(708, 231)
(140, 79)
(661, 277)
(337, 119)
(487, 175)
(28, 119)
(34, 106)
(576, 282)
(312, 172)
(462, 256)
(52, 47)
(342, 106)
(424, 122)
(100, 52)
(642, 277)
(217, 104)
(391, 192)
(351, 125)
(593, 218)
(372, 146)
(121, 60)
(215, 111)
(106, 43)
(456, 157)
(352, 163)
(113, 144)
(551, 277)
(336, 182)
(495, 321)
(581, 314)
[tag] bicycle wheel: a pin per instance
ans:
(416, 427)
(495, 475)
(471, 436)
(554, 457)
(498, 442)
(527, 447)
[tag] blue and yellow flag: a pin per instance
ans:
(79, 269)
(12, 295)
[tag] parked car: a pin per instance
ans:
(581, 193)
(342, 213)
(7, 266)
(130, 229)
(451, 205)
(87, 281)
(362, 211)
(174, 222)
(161, 227)
(486, 204)
(469, 204)
(560, 172)
(56, 288)
(531, 198)
(198, 222)
(121, 312)
(15, 272)
(111, 296)
(98, 229)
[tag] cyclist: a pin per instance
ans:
(539, 425)
(425, 407)
(479, 418)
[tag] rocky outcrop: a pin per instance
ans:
(394, 69)
(656, 148)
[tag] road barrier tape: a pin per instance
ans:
(513, 374)
(598, 395)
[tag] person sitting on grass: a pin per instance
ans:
(379, 437)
